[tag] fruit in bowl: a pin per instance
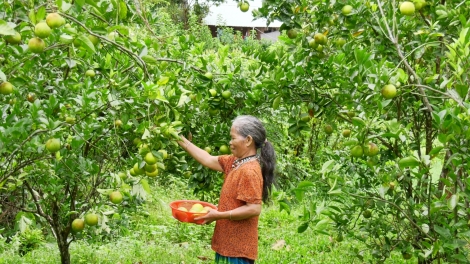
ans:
(187, 210)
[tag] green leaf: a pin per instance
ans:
(145, 185)
(302, 227)
(41, 14)
(163, 80)
(80, 3)
(304, 184)
(442, 231)
(452, 202)
(87, 43)
(436, 150)
(6, 29)
(358, 121)
(327, 166)
(322, 224)
(408, 162)
(284, 206)
(32, 16)
(122, 10)
(2, 76)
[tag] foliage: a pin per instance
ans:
(158, 238)
(151, 85)
(419, 179)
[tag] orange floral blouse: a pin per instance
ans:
(238, 238)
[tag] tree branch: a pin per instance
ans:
(394, 40)
(118, 46)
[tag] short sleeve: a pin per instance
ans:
(250, 187)
(226, 162)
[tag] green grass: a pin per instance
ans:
(158, 238)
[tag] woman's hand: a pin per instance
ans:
(211, 216)
(200, 155)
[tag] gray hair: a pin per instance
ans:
(247, 125)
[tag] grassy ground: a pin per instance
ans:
(159, 238)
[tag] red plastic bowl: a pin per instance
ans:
(188, 217)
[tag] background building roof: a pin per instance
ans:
(229, 14)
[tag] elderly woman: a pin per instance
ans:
(249, 175)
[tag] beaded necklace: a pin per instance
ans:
(238, 162)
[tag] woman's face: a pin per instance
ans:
(238, 144)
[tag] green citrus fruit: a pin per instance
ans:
(313, 44)
(406, 255)
(42, 30)
(122, 175)
(320, 38)
(90, 73)
(78, 225)
(305, 117)
(292, 33)
(244, 6)
(367, 214)
(54, 20)
(224, 149)
(357, 151)
(70, 120)
(346, 10)
(328, 129)
(389, 91)
(95, 40)
(53, 145)
(209, 75)
(340, 42)
(138, 170)
(152, 174)
(36, 45)
(373, 149)
(419, 4)
(6, 88)
(91, 219)
(346, 133)
(115, 197)
(118, 123)
(407, 8)
(150, 158)
(208, 149)
(150, 168)
(13, 39)
(213, 92)
(213, 112)
(226, 94)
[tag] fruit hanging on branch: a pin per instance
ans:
(6, 88)
(42, 30)
(292, 33)
(91, 219)
(407, 8)
(389, 91)
(53, 145)
(54, 20)
(115, 197)
(13, 39)
(78, 225)
(36, 45)
(244, 6)
(346, 10)
(328, 129)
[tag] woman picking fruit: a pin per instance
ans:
(248, 178)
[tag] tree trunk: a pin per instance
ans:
(64, 250)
